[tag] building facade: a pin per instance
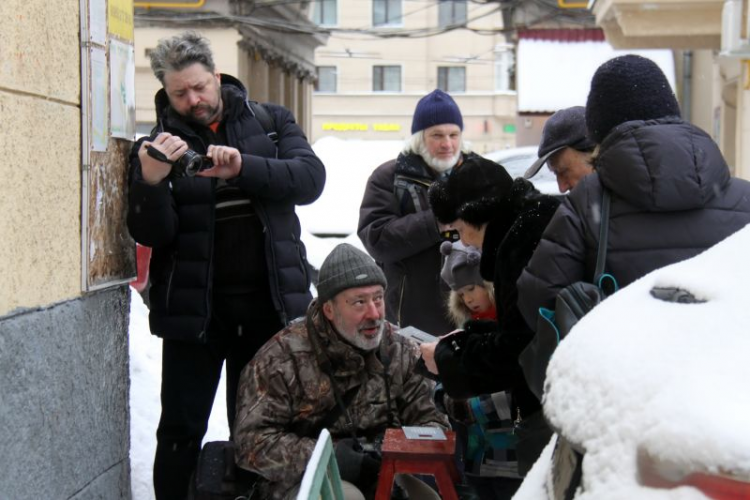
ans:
(383, 55)
(64, 424)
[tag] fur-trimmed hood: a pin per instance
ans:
(457, 310)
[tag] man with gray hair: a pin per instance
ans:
(396, 223)
(565, 148)
(342, 368)
(214, 194)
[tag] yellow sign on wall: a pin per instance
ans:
(120, 14)
(386, 127)
(361, 127)
(343, 127)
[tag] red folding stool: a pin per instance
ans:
(418, 456)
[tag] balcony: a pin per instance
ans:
(671, 24)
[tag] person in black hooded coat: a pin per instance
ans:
(672, 195)
(504, 218)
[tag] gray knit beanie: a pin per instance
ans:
(347, 267)
(461, 265)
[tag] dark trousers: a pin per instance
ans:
(240, 325)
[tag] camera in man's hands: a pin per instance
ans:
(189, 164)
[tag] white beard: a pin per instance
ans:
(364, 343)
(437, 165)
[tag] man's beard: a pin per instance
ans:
(205, 119)
(438, 165)
(358, 339)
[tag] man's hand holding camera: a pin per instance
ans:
(172, 147)
(168, 154)
(227, 162)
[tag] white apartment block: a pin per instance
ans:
(383, 55)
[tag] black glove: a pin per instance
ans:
(356, 466)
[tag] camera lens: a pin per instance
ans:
(188, 164)
(193, 164)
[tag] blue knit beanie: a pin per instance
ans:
(436, 108)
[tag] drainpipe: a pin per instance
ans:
(687, 85)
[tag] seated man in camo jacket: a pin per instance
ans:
(340, 367)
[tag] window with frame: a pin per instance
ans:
(504, 70)
(451, 12)
(452, 78)
(386, 12)
(324, 12)
(326, 81)
(386, 78)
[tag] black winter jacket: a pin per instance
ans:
(176, 216)
(484, 358)
(399, 230)
(672, 198)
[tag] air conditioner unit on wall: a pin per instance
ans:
(732, 43)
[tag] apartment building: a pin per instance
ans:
(383, 55)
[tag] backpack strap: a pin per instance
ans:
(403, 185)
(601, 254)
(605, 281)
(266, 120)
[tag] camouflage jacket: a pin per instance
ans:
(285, 397)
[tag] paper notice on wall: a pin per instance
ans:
(99, 108)
(122, 90)
(98, 21)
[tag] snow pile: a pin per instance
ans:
(348, 166)
(666, 377)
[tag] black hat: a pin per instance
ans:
(564, 129)
(472, 192)
(436, 108)
(627, 88)
(347, 267)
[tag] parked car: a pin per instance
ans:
(517, 160)
(650, 389)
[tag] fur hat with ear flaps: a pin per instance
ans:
(473, 192)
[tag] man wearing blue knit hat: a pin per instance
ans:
(396, 223)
